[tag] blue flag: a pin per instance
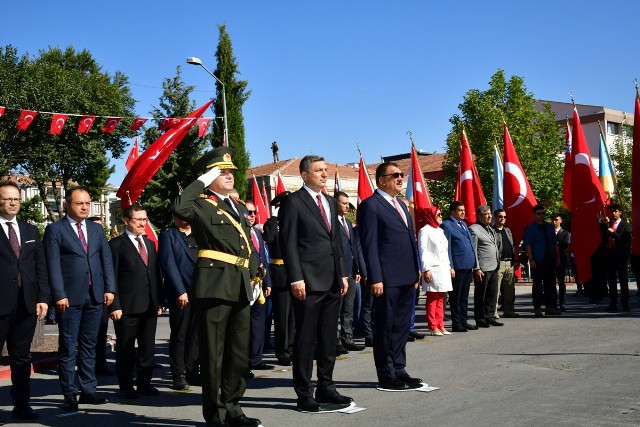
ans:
(498, 180)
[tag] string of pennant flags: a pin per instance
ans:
(86, 122)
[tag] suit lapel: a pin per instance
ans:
(131, 247)
(5, 241)
(390, 208)
(183, 242)
(313, 207)
(74, 236)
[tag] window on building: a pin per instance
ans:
(613, 128)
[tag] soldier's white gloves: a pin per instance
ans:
(209, 176)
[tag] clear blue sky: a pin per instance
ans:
(327, 75)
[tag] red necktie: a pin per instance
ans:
(83, 240)
(322, 211)
(15, 245)
(254, 239)
(404, 218)
(143, 251)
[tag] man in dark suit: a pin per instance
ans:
(488, 249)
(25, 294)
(354, 265)
(222, 286)
(312, 253)
(463, 260)
(618, 234)
(390, 254)
(178, 251)
(283, 318)
(564, 238)
(137, 304)
(81, 280)
(508, 263)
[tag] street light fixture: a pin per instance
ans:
(193, 60)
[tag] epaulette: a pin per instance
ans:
(235, 199)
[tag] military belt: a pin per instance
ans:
(224, 257)
(277, 261)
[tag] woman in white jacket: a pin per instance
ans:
(436, 269)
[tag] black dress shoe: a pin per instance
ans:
(368, 342)
(251, 375)
(340, 350)
(92, 399)
(180, 382)
(284, 361)
(129, 394)
(459, 328)
(24, 412)
(410, 338)
(308, 404)
(494, 322)
(417, 335)
(471, 327)
(70, 402)
(148, 390)
(393, 384)
(481, 324)
(219, 423)
(243, 421)
(410, 380)
(261, 367)
(351, 346)
(331, 396)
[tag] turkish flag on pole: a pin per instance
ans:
(365, 187)
(26, 117)
(337, 185)
(203, 126)
(265, 200)
(110, 124)
(261, 210)
(421, 199)
(85, 123)
(587, 202)
(151, 233)
(519, 199)
(468, 188)
(137, 123)
(57, 123)
(280, 188)
(133, 155)
(635, 181)
(153, 157)
(568, 160)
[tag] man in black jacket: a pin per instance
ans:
(617, 232)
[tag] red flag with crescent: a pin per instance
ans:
(84, 126)
(587, 202)
(57, 123)
(110, 124)
(635, 181)
(261, 210)
(26, 118)
(133, 155)
(468, 187)
(365, 187)
(421, 199)
(165, 124)
(137, 123)
(280, 188)
(203, 126)
(153, 157)
(265, 200)
(519, 199)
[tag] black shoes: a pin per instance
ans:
(481, 324)
(340, 350)
(393, 384)
(308, 404)
(494, 322)
(24, 412)
(148, 390)
(219, 423)
(351, 346)
(128, 393)
(70, 402)
(243, 421)
(331, 396)
(251, 375)
(510, 314)
(410, 338)
(180, 382)
(459, 328)
(92, 399)
(417, 335)
(470, 327)
(284, 361)
(410, 380)
(261, 367)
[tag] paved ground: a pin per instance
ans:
(581, 369)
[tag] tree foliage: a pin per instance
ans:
(621, 157)
(62, 81)
(237, 95)
(177, 172)
(535, 134)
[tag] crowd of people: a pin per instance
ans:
(309, 273)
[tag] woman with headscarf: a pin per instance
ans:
(433, 248)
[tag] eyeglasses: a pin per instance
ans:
(501, 216)
(395, 175)
(10, 199)
(251, 212)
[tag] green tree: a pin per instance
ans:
(621, 157)
(30, 211)
(535, 134)
(63, 81)
(177, 171)
(237, 94)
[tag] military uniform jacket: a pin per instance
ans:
(213, 230)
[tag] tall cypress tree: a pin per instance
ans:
(237, 95)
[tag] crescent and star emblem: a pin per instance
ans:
(514, 170)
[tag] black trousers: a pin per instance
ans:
(346, 313)
(316, 321)
(459, 297)
(183, 341)
(618, 269)
(16, 329)
(284, 323)
(256, 339)
(101, 343)
(485, 295)
(544, 285)
(561, 272)
(129, 329)
(363, 326)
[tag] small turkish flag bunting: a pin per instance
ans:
(110, 124)
(164, 124)
(57, 122)
(203, 126)
(85, 123)
(137, 123)
(26, 117)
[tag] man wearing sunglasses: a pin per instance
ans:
(508, 264)
(390, 254)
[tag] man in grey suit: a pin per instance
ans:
(487, 248)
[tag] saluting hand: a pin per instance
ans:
(208, 177)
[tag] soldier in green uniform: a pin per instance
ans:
(222, 286)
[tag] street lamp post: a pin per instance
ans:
(197, 61)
